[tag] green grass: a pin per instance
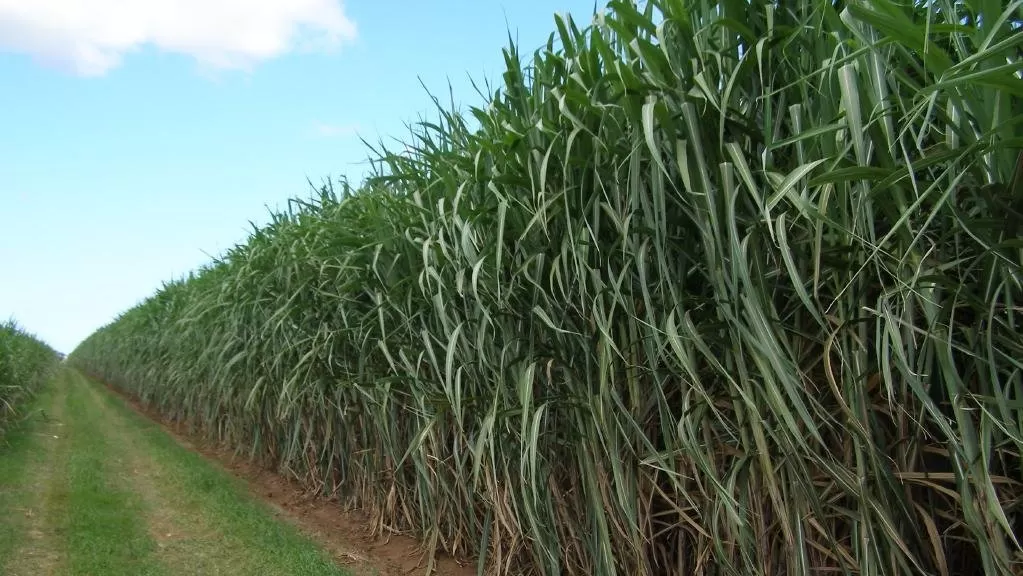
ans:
(266, 544)
(721, 287)
(113, 494)
(104, 523)
(21, 447)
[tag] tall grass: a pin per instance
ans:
(706, 287)
(25, 363)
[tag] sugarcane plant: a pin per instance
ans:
(25, 364)
(704, 287)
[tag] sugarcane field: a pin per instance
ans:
(626, 288)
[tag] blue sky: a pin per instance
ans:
(134, 145)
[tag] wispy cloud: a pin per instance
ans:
(334, 130)
(91, 37)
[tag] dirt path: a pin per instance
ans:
(184, 537)
(340, 531)
(88, 487)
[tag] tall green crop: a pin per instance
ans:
(25, 363)
(707, 287)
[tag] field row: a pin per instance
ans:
(89, 487)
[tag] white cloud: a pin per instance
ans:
(90, 37)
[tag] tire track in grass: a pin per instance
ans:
(29, 480)
(185, 541)
(200, 516)
(104, 522)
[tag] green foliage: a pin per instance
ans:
(25, 364)
(707, 287)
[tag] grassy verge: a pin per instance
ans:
(267, 545)
(87, 487)
(105, 525)
(19, 451)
